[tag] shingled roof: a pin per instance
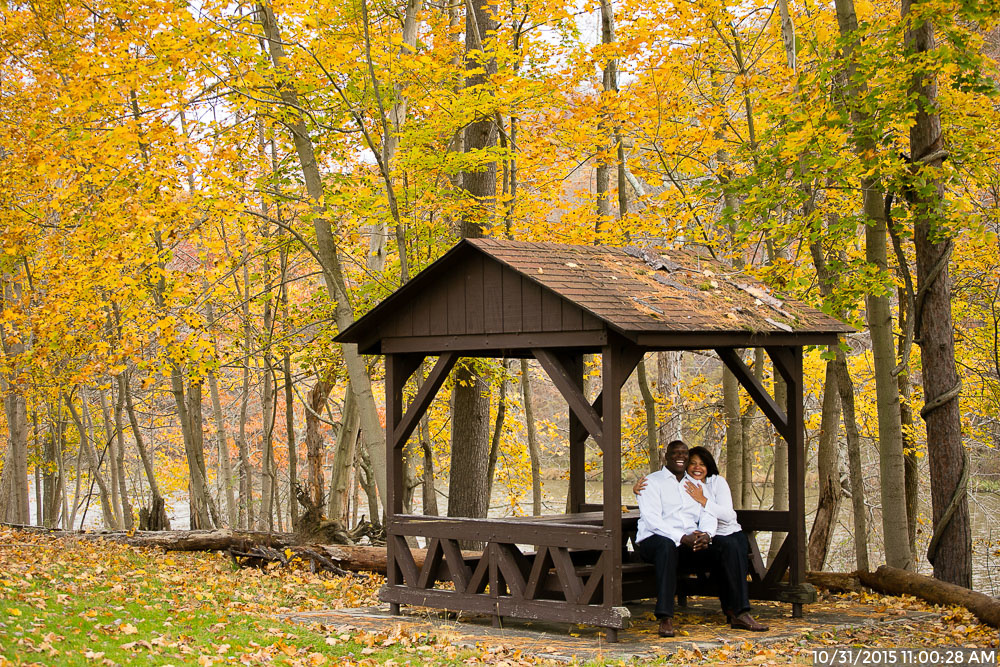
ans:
(635, 292)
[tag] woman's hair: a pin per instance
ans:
(706, 457)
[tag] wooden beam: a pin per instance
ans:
(505, 531)
(458, 569)
(577, 491)
(796, 470)
(395, 378)
(783, 359)
(477, 583)
(559, 371)
(779, 565)
(757, 392)
(618, 358)
(765, 520)
(757, 569)
(595, 580)
(428, 573)
(706, 340)
(549, 610)
(405, 560)
(568, 578)
(491, 344)
(428, 390)
(511, 567)
(539, 573)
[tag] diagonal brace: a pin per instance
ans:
(784, 362)
(558, 371)
(428, 390)
(757, 392)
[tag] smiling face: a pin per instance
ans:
(676, 458)
(696, 468)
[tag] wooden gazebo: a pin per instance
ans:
(555, 303)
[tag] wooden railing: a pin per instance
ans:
(540, 567)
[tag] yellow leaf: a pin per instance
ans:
(13, 612)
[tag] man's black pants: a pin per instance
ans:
(729, 555)
(665, 555)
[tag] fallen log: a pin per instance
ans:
(895, 581)
(353, 558)
(260, 557)
(348, 557)
(186, 540)
(837, 582)
(364, 559)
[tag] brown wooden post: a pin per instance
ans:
(796, 473)
(394, 477)
(577, 490)
(398, 368)
(612, 369)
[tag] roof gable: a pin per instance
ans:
(492, 286)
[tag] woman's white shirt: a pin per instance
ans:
(720, 505)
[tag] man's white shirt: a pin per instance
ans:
(665, 508)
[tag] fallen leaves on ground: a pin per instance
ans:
(68, 601)
(90, 602)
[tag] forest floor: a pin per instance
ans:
(73, 602)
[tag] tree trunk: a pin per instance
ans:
(268, 477)
(911, 464)
(605, 133)
(128, 520)
(222, 445)
(649, 407)
(315, 403)
(430, 504)
(845, 388)
(897, 549)
(828, 505)
(534, 454)
(748, 444)
(246, 508)
(202, 504)
(158, 519)
(950, 550)
(497, 431)
(76, 487)
(82, 427)
(371, 429)
(14, 507)
(343, 456)
(293, 454)
(111, 455)
(668, 370)
(734, 436)
(467, 488)
(49, 504)
(481, 133)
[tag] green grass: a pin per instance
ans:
(82, 603)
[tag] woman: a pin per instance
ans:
(729, 548)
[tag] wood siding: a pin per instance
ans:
(482, 296)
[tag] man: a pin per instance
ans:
(671, 526)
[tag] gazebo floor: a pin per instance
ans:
(701, 625)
